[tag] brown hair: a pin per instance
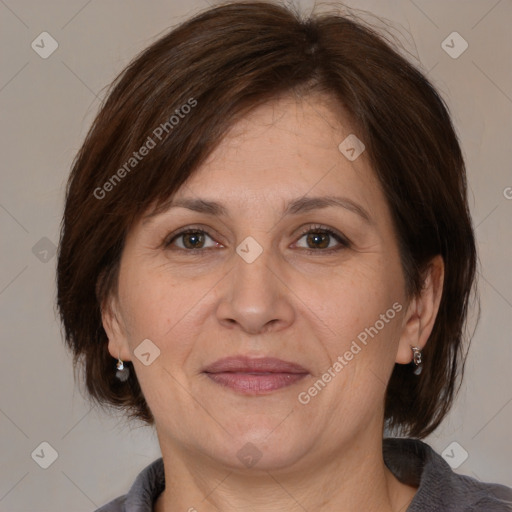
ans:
(222, 63)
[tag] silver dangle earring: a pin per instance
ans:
(416, 359)
(122, 372)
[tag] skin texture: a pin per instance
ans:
(197, 307)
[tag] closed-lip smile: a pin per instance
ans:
(255, 376)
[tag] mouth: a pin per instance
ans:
(255, 376)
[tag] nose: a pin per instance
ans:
(254, 296)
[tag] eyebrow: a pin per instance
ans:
(295, 207)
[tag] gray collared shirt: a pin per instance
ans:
(411, 461)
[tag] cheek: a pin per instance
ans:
(362, 312)
(355, 297)
(156, 301)
(170, 310)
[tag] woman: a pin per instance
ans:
(267, 253)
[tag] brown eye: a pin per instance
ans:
(191, 239)
(194, 240)
(319, 239)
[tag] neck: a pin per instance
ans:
(348, 481)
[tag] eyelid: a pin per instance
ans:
(342, 239)
(321, 227)
(187, 229)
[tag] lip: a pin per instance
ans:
(246, 364)
(255, 376)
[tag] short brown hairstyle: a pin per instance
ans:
(224, 62)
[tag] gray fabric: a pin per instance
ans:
(411, 461)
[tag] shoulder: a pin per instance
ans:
(146, 488)
(439, 487)
(117, 505)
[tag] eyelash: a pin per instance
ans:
(316, 228)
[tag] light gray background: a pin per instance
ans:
(47, 106)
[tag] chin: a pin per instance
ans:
(258, 446)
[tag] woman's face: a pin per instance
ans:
(262, 276)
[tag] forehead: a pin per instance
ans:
(284, 157)
(286, 147)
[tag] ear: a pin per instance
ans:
(115, 329)
(422, 312)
